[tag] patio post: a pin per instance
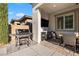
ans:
(36, 25)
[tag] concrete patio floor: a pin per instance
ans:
(44, 49)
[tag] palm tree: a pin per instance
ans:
(3, 23)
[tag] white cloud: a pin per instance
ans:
(20, 14)
(11, 12)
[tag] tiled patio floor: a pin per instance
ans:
(44, 49)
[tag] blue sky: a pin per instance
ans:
(17, 10)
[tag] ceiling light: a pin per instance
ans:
(54, 5)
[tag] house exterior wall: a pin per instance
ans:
(14, 27)
(67, 34)
(52, 21)
(44, 15)
(28, 20)
(78, 20)
(15, 23)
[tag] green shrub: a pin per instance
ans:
(3, 23)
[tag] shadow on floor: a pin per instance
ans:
(69, 47)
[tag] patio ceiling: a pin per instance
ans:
(55, 7)
(34, 4)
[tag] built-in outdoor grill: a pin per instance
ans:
(44, 33)
(22, 36)
(22, 31)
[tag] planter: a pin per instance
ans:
(3, 50)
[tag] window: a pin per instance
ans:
(65, 22)
(69, 22)
(60, 22)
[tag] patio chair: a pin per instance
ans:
(57, 38)
(69, 39)
(54, 37)
(77, 45)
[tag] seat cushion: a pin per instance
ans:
(69, 39)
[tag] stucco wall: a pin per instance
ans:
(14, 27)
(28, 20)
(78, 20)
(68, 35)
(52, 22)
(44, 15)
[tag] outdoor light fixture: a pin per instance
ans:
(54, 5)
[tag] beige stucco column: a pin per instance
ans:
(36, 25)
(52, 22)
(13, 32)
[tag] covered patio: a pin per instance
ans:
(44, 49)
(63, 18)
